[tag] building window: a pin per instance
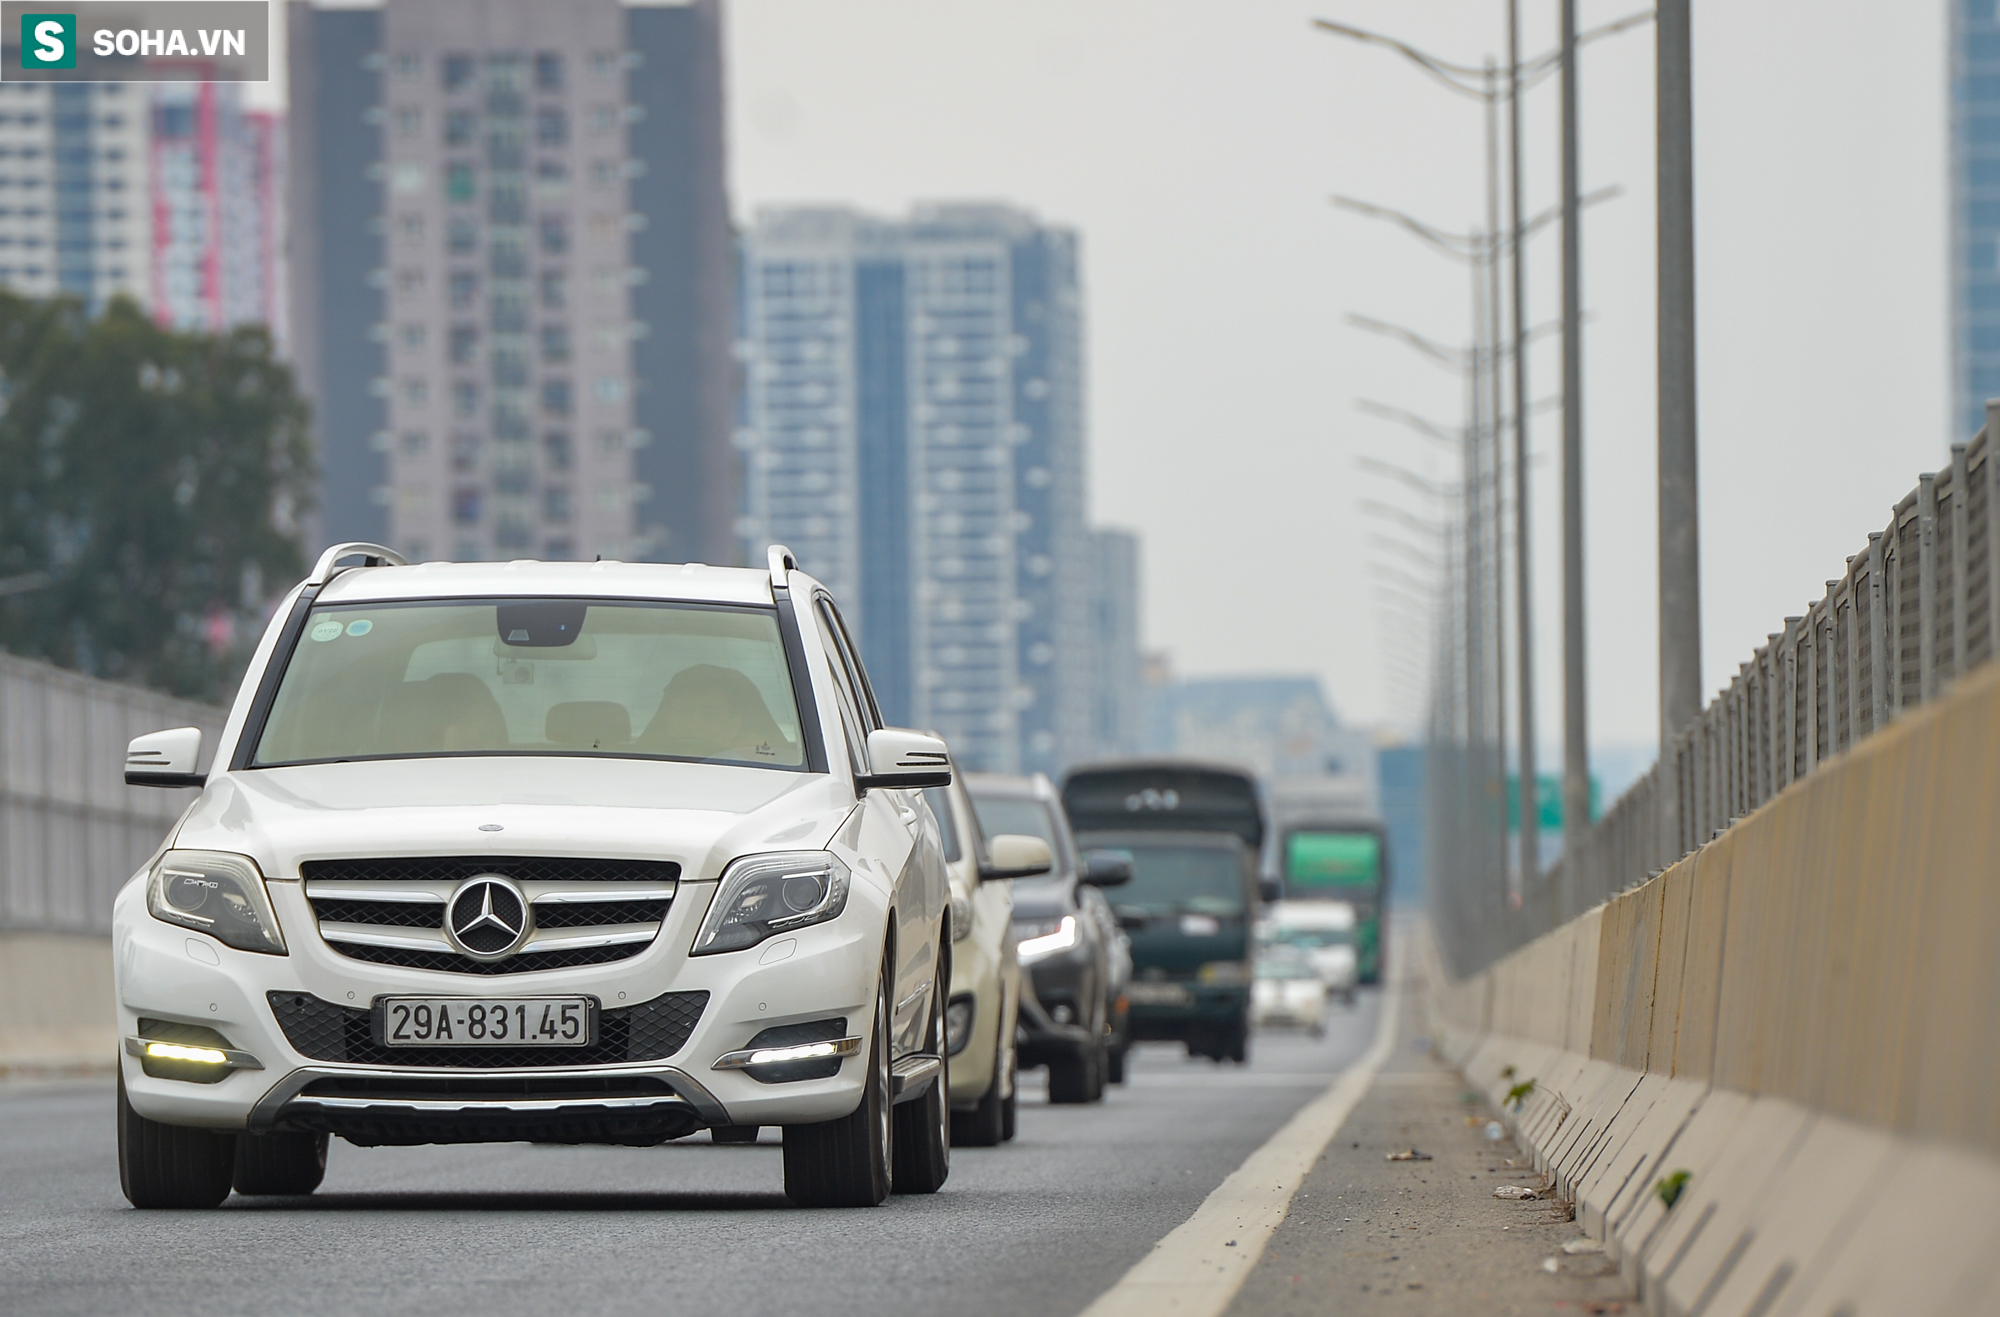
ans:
(555, 290)
(457, 70)
(606, 228)
(409, 282)
(510, 369)
(556, 451)
(555, 344)
(556, 397)
(551, 126)
(411, 227)
(409, 120)
(508, 260)
(416, 392)
(462, 237)
(413, 338)
(465, 398)
(610, 441)
(461, 182)
(508, 313)
(507, 71)
(508, 204)
(460, 127)
(548, 71)
(416, 444)
(603, 118)
(611, 391)
(554, 234)
(464, 289)
(604, 173)
(465, 505)
(407, 64)
(465, 452)
(551, 176)
(603, 63)
(464, 343)
(555, 504)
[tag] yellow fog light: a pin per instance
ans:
(182, 1052)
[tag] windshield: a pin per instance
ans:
(1310, 938)
(1026, 818)
(541, 676)
(1184, 880)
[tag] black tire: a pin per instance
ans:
(1114, 1062)
(1236, 1041)
(923, 1125)
(845, 1162)
(171, 1165)
(984, 1126)
(280, 1163)
(1011, 1104)
(733, 1133)
(1078, 1077)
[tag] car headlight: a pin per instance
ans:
(1062, 938)
(961, 917)
(219, 894)
(762, 895)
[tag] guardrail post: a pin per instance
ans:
(1789, 690)
(1853, 683)
(1991, 434)
(1927, 572)
(1812, 648)
(1959, 505)
(1878, 652)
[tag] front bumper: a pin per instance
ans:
(814, 975)
(1171, 1010)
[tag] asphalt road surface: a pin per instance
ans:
(1039, 1226)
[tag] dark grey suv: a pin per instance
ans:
(1073, 952)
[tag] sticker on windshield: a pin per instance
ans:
(360, 628)
(327, 630)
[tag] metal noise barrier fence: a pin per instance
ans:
(71, 831)
(1916, 607)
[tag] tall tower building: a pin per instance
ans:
(1975, 212)
(511, 276)
(914, 432)
(1118, 698)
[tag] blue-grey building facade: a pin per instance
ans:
(1975, 212)
(511, 289)
(913, 430)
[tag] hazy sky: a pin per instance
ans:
(1194, 143)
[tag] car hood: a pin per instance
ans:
(1044, 900)
(700, 815)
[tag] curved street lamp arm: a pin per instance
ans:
(1449, 74)
(1463, 246)
(1430, 430)
(1457, 359)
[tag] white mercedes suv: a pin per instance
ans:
(564, 852)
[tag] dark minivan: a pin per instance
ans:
(1194, 832)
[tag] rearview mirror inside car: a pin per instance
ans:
(1107, 868)
(1016, 855)
(165, 759)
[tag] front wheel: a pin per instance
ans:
(171, 1165)
(1078, 1077)
(845, 1162)
(923, 1125)
(1236, 1040)
(289, 1164)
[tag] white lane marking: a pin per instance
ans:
(1197, 1269)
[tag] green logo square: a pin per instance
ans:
(48, 41)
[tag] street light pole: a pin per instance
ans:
(1680, 541)
(1576, 708)
(1527, 796)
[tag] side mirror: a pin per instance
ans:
(904, 760)
(1132, 918)
(165, 759)
(1015, 855)
(1107, 868)
(1271, 889)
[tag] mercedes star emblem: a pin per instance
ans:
(488, 917)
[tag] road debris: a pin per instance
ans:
(1408, 1155)
(1551, 1266)
(1582, 1244)
(1516, 1192)
(1495, 1131)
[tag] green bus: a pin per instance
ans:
(1348, 862)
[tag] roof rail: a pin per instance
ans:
(781, 561)
(372, 555)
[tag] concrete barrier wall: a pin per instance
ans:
(56, 1007)
(1804, 1016)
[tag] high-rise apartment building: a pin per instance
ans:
(163, 192)
(511, 276)
(914, 432)
(1975, 212)
(1118, 696)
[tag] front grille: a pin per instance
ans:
(365, 910)
(650, 1031)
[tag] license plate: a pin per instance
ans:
(1158, 994)
(486, 1021)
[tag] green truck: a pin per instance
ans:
(1195, 833)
